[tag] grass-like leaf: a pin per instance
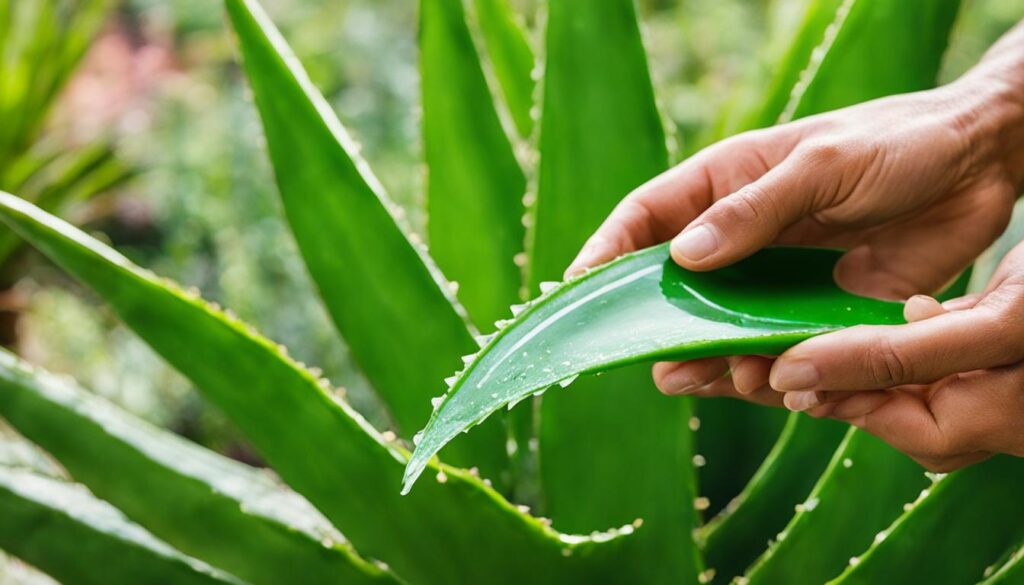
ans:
(475, 186)
(371, 276)
(644, 307)
(66, 532)
(230, 515)
(951, 533)
(316, 442)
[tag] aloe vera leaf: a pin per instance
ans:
(223, 512)
(474, 198)
(66, 532)
(861, 492)
(600, 136)
(511, 58)
(854, 66)
(733, 439)
(968, 519)
(1011, 572)
(317, 443)
(734, 538)
(848, 58)
(378, 285)
(643, 307)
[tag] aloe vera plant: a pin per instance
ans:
(617, 474)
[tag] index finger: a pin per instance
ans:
(660, 208)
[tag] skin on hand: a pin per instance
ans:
(914, 187)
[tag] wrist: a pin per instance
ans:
(988, 108)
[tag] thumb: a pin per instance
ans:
(742, 223)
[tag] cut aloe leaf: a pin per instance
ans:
(644, 307)
(67, 533)
(226, 513)
(959, 518)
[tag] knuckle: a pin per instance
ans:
(823, 153)
(752, 204)
(1005, 326)
(887, 365)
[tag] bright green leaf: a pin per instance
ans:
(371, 277)
(316, 442)
(873, 48)
(223, 512)
(475, 186)
(643, 307)
(511, 58)
(66, 532)
(600, 136)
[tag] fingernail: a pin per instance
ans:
(921, 307)
(696, 244)
(800, 401)
(794, 375)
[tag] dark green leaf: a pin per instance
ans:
(66, 532)
(956, 529)
(737, 536)
(862, 492)
(1009, 573)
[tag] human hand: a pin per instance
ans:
(889, 180)
(947, 388)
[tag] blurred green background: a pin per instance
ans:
(162, 79)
